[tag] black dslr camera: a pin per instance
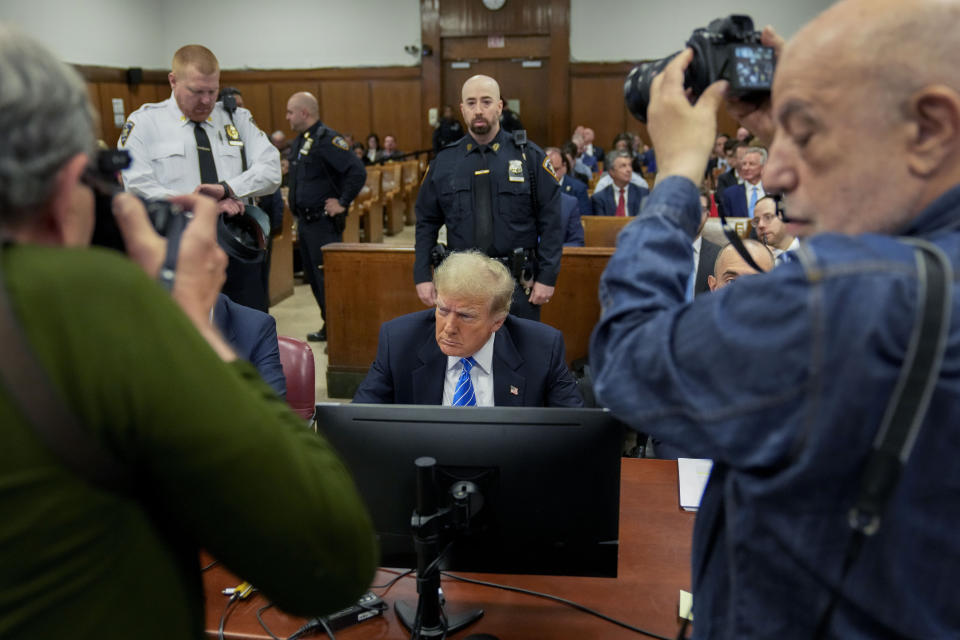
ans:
(102, 176)
(728, 49)
(239, 236)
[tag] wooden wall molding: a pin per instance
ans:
(475, 47)
(92, 73)
(326, 73)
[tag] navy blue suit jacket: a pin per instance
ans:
(253, 335)
(734, 201)
(575, 187)
(527, 355)
(605, 204)
(572, 227)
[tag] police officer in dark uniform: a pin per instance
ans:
(325, 176)
(495, 193)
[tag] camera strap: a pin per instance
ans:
(33, 392)
(905, 412)
(901, 423)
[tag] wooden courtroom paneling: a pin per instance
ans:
(469, 17)
(601, 231)
(596, 101)
(281, 261)
(256, 98)
(396, 110)
(346, 107)
(468, 47)
(93, 91)
(133, 98)
(366, 285)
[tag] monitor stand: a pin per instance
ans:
(428, 619)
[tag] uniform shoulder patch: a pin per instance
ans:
(339, 142)
(125, 132)
(548, 167)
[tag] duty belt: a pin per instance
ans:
(521, 263)
(310, 214)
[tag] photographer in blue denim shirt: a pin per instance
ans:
(784, 379)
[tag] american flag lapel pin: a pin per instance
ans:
(514, 391)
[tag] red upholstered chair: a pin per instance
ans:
(298, 368)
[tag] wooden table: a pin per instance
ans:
(654, 565)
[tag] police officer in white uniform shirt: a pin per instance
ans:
(189, 143)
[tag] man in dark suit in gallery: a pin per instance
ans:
(468, 351)
(568, 184)
(704, 252)
(739, 200)
(622, 198)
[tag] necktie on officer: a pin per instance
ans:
(621, 205)
(208, 169)
(463, 395)
(482, 206)
(753, 199)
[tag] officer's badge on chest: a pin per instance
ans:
(307, 143)
(233, 136)
(515, 171)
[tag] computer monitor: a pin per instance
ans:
(550, 480)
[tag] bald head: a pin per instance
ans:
(481, 107)
(878, 77)
(480, 85)
(303, 111)
(730, 265)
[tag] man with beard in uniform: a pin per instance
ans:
(494, 194)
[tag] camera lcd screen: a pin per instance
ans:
(753, 66)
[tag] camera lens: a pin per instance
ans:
(636, 89)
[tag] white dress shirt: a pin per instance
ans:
(606, 180)
(779, 252)
(481, 376)
(162, 143)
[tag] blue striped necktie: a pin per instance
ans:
(463, 395)
(753, 199)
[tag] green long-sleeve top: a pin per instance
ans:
(222, 463)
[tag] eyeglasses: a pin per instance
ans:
(766, 218)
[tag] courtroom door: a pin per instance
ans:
(523, 80)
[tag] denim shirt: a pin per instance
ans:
(783, 379)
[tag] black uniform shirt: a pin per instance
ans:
(323, 166)
(446, 197)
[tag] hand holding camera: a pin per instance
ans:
(201, 263)
(682, 133)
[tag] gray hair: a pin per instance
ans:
(45, 119)
(613, 154)
(758, 150)
(472, 275)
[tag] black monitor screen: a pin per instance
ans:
(550, 480)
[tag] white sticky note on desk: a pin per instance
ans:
(693, 474)
(686, 605)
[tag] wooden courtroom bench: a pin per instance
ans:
(392, 194)
(366, 285)
(601, 231)
(281, 261)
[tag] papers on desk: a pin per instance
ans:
(693, 476)
(686, 602)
